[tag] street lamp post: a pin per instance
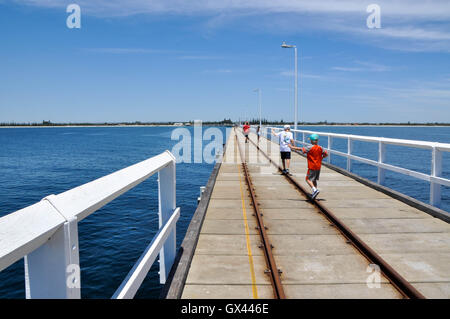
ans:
(259, 103)
(288, 46)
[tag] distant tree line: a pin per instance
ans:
(281, 122)
(224, 122)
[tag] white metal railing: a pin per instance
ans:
(435, 178)
(46, 233)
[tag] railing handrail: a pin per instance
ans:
(137, 274)
(394, 141)
(435, 178)
(29, 229)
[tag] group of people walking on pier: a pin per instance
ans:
(314, 153)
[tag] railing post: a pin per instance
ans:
(303, 139)
(167, 205)
(53, 270)
(349, 152)
(381, 159)
(436, 171)
(330, 141)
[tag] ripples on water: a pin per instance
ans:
(36, 162)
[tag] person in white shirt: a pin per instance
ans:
(285, 139)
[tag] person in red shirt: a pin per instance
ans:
(246, 129)
(315, 155)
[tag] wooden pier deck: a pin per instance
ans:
(315, 259)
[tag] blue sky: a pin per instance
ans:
(141, 60)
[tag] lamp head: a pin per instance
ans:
(284, 45)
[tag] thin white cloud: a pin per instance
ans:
(291, 73)
(346, 69)
(413, 94)
(199, 57)
(414, 33)
(309, 76)
(312, 76)
(219, 71)
(176, 53)
(423, 93)
(363, 67)
(411, 25)
(401, 8)
(370, 66)
(125, 50)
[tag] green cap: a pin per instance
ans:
(314, 137)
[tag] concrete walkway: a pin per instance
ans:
(315, 259)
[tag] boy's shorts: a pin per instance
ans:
(285, 155)
(313, 175)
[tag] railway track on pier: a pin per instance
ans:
(405, 289)
(272, 270)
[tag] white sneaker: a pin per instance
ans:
(315, 193)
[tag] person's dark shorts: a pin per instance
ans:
(313, 175)
(285, 155)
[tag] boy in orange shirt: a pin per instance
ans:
(315, 154)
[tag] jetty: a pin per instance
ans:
(316, 254)
(256, 232)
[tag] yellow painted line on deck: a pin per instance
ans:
(247, 239)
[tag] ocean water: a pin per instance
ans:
(36, 162)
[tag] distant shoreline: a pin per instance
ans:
(62, 126)
(219, 124)
(175, 126)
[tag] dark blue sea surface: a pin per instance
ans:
(37, 162)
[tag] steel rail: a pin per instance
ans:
(272, 270)
(400, 283)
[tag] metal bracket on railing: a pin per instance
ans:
(53, 270)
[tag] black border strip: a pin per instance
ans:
(174, 285)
